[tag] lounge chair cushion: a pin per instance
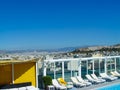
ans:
(62, 81)
(22, 88)
(10, 89)
(31, 88)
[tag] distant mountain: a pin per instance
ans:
(116, 45)
(65, 49)
(2, 51)
(97, 48)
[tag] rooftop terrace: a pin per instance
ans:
(94, 87)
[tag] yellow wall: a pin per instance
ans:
(25, 72)
(5, 74)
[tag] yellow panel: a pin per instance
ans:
(5, 74)
(25, 72)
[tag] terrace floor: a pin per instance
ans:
(94, 87)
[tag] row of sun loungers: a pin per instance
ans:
(104, 77)
(79, 82)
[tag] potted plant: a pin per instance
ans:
(47, 81)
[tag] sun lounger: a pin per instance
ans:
(64, 83)
(57, 85)
(115, 74)
(97, 78)
(92, 80)
(77, 83)
(30, 88)
(83, 81)
(108, 78)
(115, 78)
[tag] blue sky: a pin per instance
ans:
(47, 24)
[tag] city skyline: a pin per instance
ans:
(57, 24)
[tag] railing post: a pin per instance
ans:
(93, 66)
(63, 70)
(115, 64)
(99, 66)
(79, 68)
(44, 69)
(54, 71)
(105, 65)
(87, 66)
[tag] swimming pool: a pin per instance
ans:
(112, 87)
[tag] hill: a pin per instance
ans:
(100, 49)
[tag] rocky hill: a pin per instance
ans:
(92, 49)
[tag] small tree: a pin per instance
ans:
(47, 81)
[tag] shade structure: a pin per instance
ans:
(18, 71)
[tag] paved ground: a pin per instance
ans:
(94, 87)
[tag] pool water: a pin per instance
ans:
(112, 87)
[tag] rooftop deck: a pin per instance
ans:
(94, 87)
(73, 67)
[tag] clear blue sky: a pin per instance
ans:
(49, 24)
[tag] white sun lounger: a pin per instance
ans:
(83, 81)
(92, 80)
(77, 83)
(98, 78)
(30, 88)
(108, 78)
(115, 78)
(57, 85)
(22, 88)
(113, 73)
(117, 73)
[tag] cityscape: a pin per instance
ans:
(59, 45)
(73, 52)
